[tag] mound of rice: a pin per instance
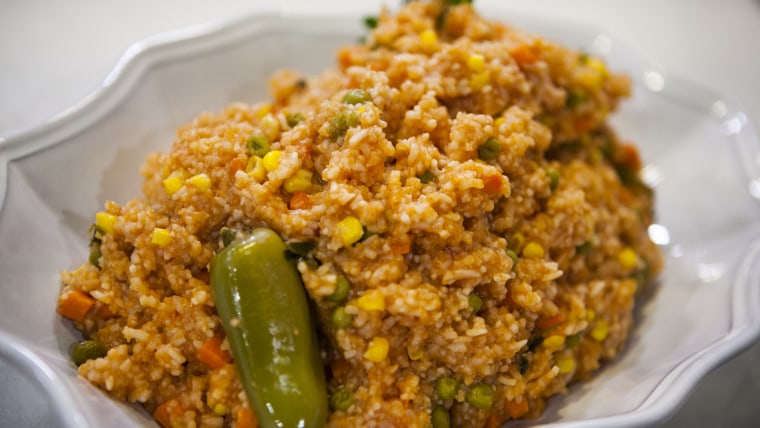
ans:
(502, 235)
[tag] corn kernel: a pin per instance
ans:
(372, 300)
(172, 184)
(161, 237)
(590, 78)
(220, 409)
(377, 349)
(415, 354)
(428, 40)
(600, 330)
(299, 182)
(597, 64)
(554, 341)
(566, 365)
(271, 160)
(105, 221)
(270, 127)
(480, 80)
(590, 315)
(627, 258)
(256, 168)
(200, 182)
(533, 250)
(498, 122)
(350, 230)
(263, 110)
(476, 62)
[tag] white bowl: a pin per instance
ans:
(700, 152)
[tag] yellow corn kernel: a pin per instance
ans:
(600, 330)
(480, 80)
(161, 237)
(627, 258)
(220, 409)
(554, 341)
(428, 40)
(597, 64)
(377, 349)
(299, 182)
(533, 250)
(105, 221)
(350, 230)
(256, 168)
(372, 300)
(415, 354)
(270, 127)
(271, 160)
(172, 184)
(263, 110)
(590, 315)
(566, 364)
(476, 63)
(590, 78)
(200, 181)
(498, 122)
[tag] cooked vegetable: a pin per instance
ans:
(356, 96)
(246, 418)
(342, 399)
(342, 287)
(212, 354)
(265, 313)
(446, 387)
(87, 350)
(480, 396)
(489, 150)
(75, 305)
(440, 417)
(258, 145)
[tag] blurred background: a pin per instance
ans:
(53, 54)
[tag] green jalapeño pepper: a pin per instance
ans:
(265, 314)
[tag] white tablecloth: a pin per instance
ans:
(53, 54)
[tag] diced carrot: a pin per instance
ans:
(212, 354)
(401, 247)
(300, 201)
(246, 418)
(493, 421)
(516, 409)
(167, 411)
(629, 156)
(75, 305)
(524, 54)
(238, 164)
(549, 322)
(584, 125)
(492, 184)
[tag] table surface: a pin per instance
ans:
(52, 54)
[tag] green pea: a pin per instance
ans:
(574, 340)
(553, 175)
(356, 96)
(343, 120)
(575, 98)
(446, 387)
(342, 287)
(480, 396)
(342, 399)
(370, 22)
(440, 417)
(258, 145)
(294, 119)
(87, 350)
(340, 319)
(475, 302)
(489, 150)
(427, 177)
